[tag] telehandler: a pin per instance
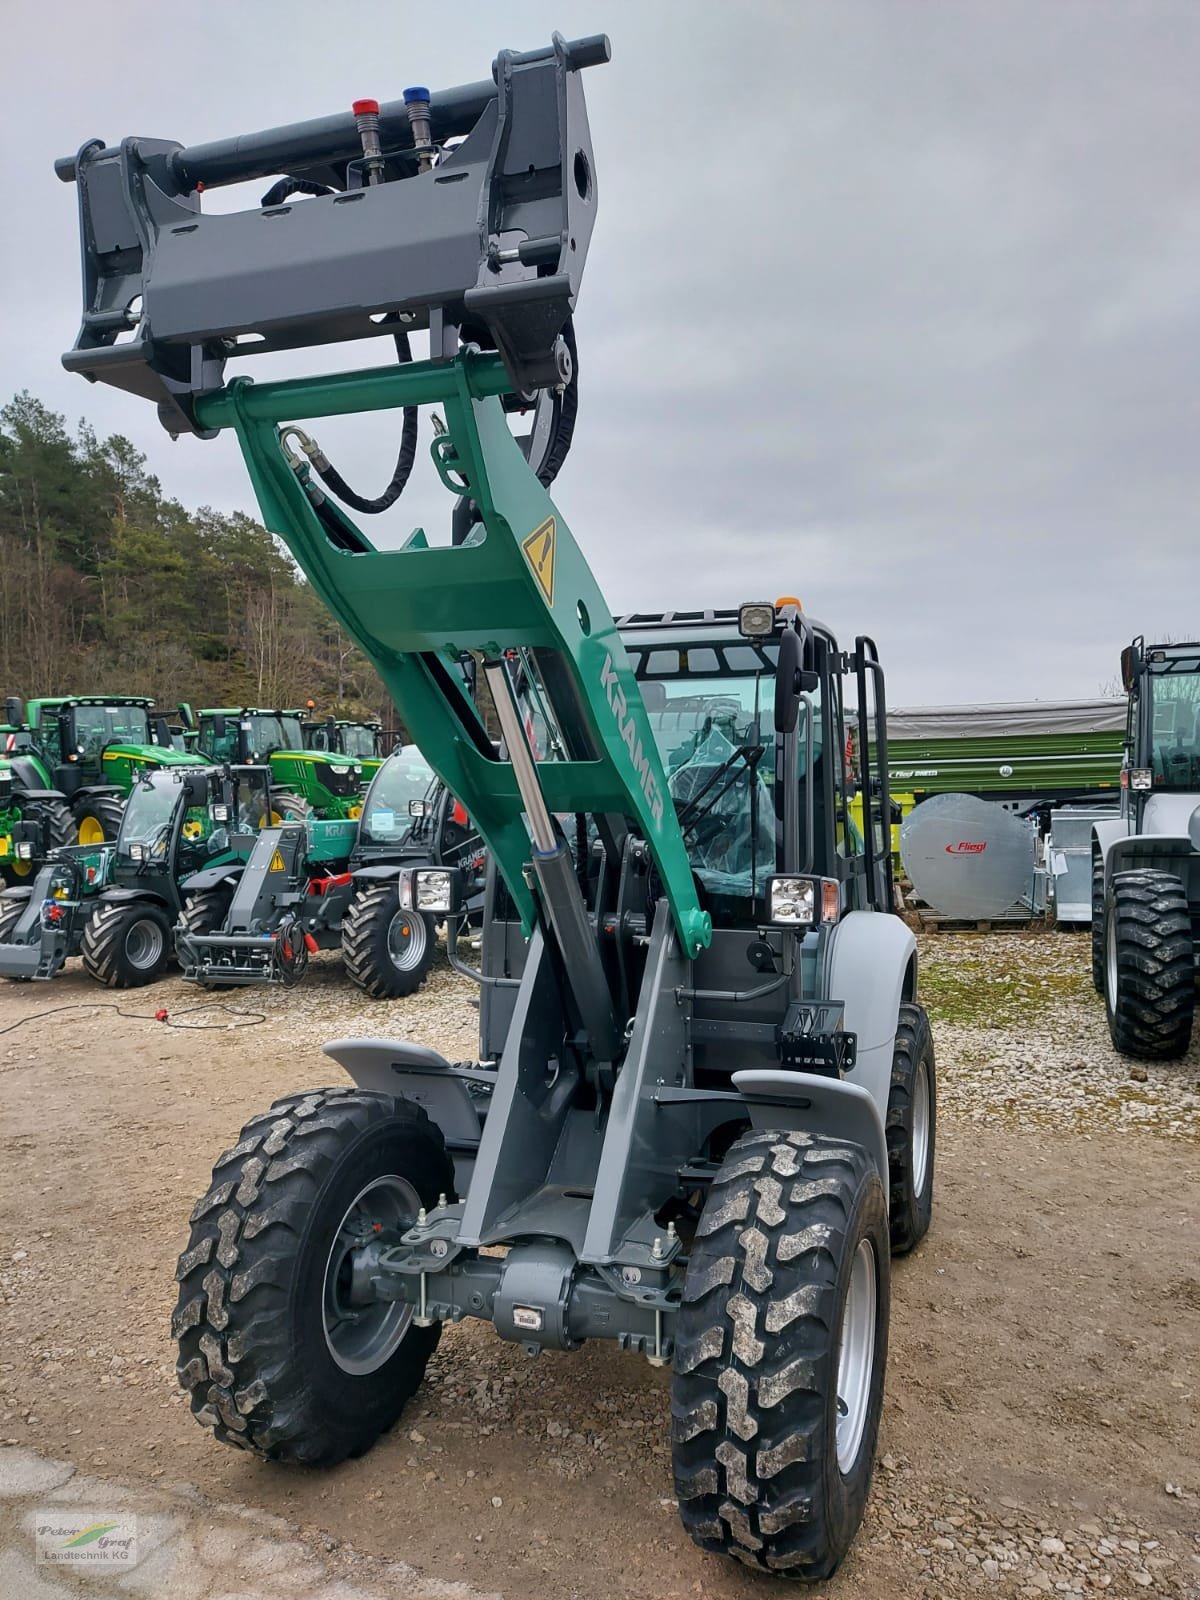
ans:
(310, 886)
(115, 904)
(703, 1113)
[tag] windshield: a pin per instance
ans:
(1174, 683)
(711, 710)
(358, 740)
(269, 733)
(404, 776)
(146, 820)
(97, 726)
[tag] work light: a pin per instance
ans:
(1141, 778)
(756, 620)
(793, 902)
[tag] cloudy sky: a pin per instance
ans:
(891, 304)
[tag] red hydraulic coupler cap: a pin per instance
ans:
(365, 108)
(161, 1014)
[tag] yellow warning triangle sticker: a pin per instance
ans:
(277, 863)
(539, 552)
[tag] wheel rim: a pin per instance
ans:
(91, 831)
(144, 944)
(856, 1356)
(1110, 960)
(361, 1334)
(406, 940)
(19, 868)
(920, 1127)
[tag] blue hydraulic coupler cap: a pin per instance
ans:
(416, 93)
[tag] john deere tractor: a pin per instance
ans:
(306, 783)
(34, 816)
(115, 904)
(359, 741)
(703, 1113)
(91, 748)
(1146, 861)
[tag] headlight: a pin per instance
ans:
(24, 850)
(1141, 778)
(756, 621)
(220, 813)
(793, 902)
(137, 852)
(435, 890)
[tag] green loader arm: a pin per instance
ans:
(524, 583)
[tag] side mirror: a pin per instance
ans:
(14, 711)
(195, 788)
(219, 728)
(1128, 665)
(793, 677)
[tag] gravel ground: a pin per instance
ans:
(1038, 1432)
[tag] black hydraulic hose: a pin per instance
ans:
(333, 480)
(287, 187)
(567, 412)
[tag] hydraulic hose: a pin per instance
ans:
(336, 484)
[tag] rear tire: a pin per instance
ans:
(58, 831)
(911, 1129)
(10, 915)
(98, 820)
(387, 952)
(285, 807)
(781, 1344)
(1149, 965)
(1098, 926)
(127, 943)
(269, 1359)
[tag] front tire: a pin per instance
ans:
(781, 1345)
(98, 820)
(387, 952)
(269, 1350)
(911, 1130)
(127, 943)
(285, 807)
(1149, 965)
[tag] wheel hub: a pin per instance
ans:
(856, 1356)
(144, 944)
(361, 1331)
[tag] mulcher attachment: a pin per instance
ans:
(364, 236)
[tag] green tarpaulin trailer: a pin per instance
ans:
(1038, 750)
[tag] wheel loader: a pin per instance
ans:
(306, 782)
(1146, 860)
(115, 904)
(310, 886)
(703, 1113)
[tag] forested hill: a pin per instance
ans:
(108, 587)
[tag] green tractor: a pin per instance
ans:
(359, 741)
(115, 904)
(34, 816)
(90, 749)
(306, 783)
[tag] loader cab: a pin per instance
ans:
(404, 783)
(713, 700)
(179, 820)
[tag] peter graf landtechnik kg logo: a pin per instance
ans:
(85, 1538)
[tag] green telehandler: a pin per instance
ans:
(314, 885)
(115, 904)
(703, 1114)
(308, 783)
